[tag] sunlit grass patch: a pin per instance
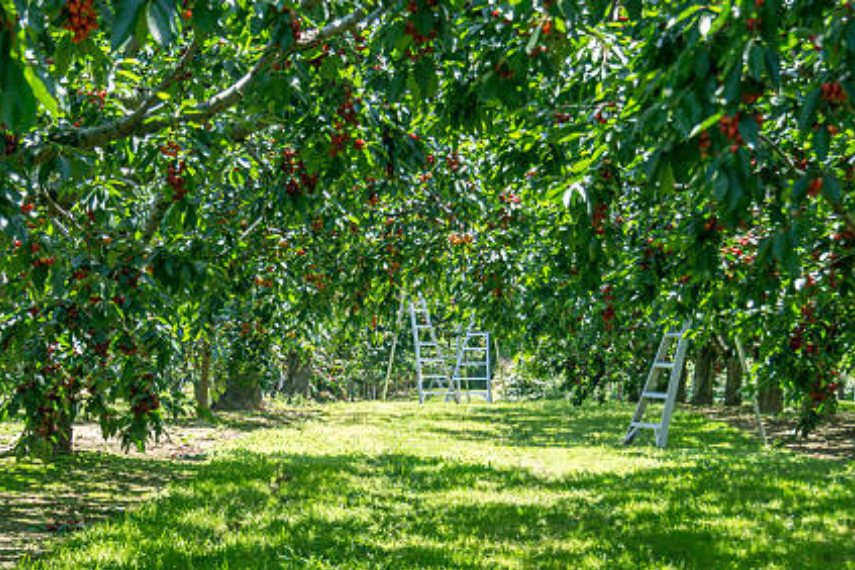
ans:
(507, 486)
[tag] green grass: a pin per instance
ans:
(523, 486)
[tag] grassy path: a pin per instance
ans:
(527, 486)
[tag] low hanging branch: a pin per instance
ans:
(143, 121)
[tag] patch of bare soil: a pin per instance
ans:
(833, 440)
(40, 502)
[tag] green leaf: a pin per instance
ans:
(720, 185)
(773, 66)
(733, 85)
(807, 113)
(800, 188)
(720, 20)
(206, 15)
(831, 188)
(161, 20)
(756, 61)
(426, 79)
(40, 90)
(532, 41)
(821, 139)
(707, 123)
(17, 102)
(127, 12)
(63, 55)
(784, 250)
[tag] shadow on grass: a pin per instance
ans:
(247, 421)
(559, 424)
(42, 500)
(717, 510)
(39, 501)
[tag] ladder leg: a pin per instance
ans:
(649, 392)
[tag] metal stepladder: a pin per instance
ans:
(431, 363)
(472, 365)
(670, 356)
(472, 360)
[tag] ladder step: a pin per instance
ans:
(470, 363)
(418, 326)
(427, 343)
(475, 348)
(674, 335)
(645, 425)
(665, 365)
(655, 395)
(431, 360)
(433, 376)
(468, 379)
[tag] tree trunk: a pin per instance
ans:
(684, 381)
(702, 384)
(243, 392)
(203, 384)
(299, 381)
(771, 398)
(733, 387)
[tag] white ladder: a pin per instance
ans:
(473, 356)
(669, 397)
(431, 364)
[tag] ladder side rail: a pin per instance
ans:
(417, 348)
(650, 385)
(455, 382)
(447, 380)
(489, 371)
(673, 386)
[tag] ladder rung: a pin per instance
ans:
(418, 326)
(674, 335)
(467, 379)
(475, 348)
(470, 363)
(665, 365)
(433, 376)
(645, 425)
(431, 360)
(655, 395)
(427, 343)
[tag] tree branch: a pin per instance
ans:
(55, 210)
(143, 122)
(120, 128)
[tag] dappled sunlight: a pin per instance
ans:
(475, 487)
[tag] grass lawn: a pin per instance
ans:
(512, 485)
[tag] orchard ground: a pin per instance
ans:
(397, 485)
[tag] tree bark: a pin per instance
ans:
(702, 385)
(203, 384)
(733, 387)
(299, 378)
(771, 398)
(684, 381)
(243, 392)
